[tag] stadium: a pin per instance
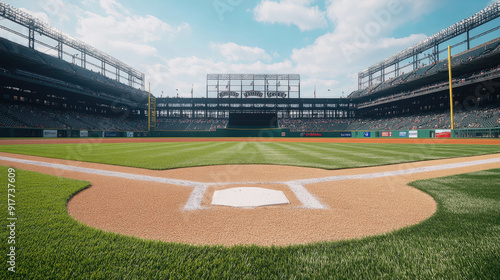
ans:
(106, 179)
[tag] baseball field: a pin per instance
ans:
(124, 209)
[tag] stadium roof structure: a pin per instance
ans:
(465, 26)
(33, 24)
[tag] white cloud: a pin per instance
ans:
(376, 17)
(234, 52)
(362, 37)
(59, 10)
(121, 31)
(113, 8)
(288, 12)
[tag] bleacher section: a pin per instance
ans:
(16, 56)
(26, 116)
(301, 125)
(457, 81)
(191, 124)
(42, 91)
(425, 72)
(487, 117)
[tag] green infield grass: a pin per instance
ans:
(187, 154)
(460, 241)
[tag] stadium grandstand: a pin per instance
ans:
(408, 91)
(64, 92)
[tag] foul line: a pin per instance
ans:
(296, 186)
(396, 173)
(106, 172)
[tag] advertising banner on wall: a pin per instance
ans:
(311, 134)
(443, 133)
(403, 134)
(368, 134)
(130, 134)
(110, 134)
(386, 134)
(84, 133)
(50, 133)
(346, 134)
(413, 134)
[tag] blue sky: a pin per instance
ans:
(176, 43)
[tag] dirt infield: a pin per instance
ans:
(309, 140)
(354, 206)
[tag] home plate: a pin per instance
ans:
(249, 197)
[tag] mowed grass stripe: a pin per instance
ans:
(455, 243)
(396, 153)
(306, 156)
(216, 154)
(209, 153)
(319, 155)
(353, 152)
(412, 152)
(329, 157)
(276, 153)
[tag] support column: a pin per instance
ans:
(299, 89)
(206, 93)
(288, 81)
(143, 78)
(436, 53)
(31, 37)
(468, 39)
(415, 61)
(103, 68)
(84, 60)
(60, 49)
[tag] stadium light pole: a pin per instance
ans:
(451, 88)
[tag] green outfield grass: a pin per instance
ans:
(186, 154)
(461, 241)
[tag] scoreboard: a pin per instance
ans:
(253, 86)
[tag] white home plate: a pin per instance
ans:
(249, 197)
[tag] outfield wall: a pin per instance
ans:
(65, 133)
(226, 132)
(422, 133)
(274, 133)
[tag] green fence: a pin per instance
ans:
(64, 133)
(226, 132)
(274, 133)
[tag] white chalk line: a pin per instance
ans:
(105, 172)
(397, 172)
(308, 200)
